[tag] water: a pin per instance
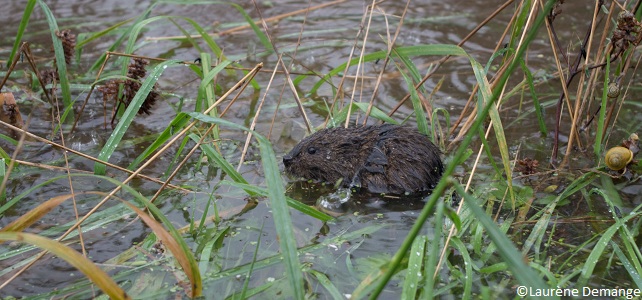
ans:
(328, 35)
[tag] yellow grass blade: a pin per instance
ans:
(84, 265)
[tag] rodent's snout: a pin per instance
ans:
(287, 160)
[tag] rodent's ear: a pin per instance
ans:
(356, 140)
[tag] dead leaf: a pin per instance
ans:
(9, 111)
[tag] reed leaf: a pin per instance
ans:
(599, 133)
(21, 30)
(507, 250)
(128, 117)
(432, 259)
(221, 162)
(84, 265)
(60, 58)
(35, 214)
(486, 94)
(170, 237)
(468, 267)
(599, 249)
(634, 272)
(436, 49)
(179, 122)
(101, 33)
(375, 112)
(539, 230)
(253, 190)
(415, 77)
(536, 104)
(276, 194)
(174, 243)
(327, 284)
(460, 152)
(414, 273)
(144, 15)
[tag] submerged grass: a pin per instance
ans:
(478, 247)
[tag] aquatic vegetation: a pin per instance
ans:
(152, 163)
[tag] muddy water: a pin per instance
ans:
(328, 35)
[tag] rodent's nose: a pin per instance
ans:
(287, 160)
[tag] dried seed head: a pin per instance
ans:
(68, 44)
(136, 69)
(135, 74)
(626, 34)
(49, 75)
(110, 90)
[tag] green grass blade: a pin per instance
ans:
(102, 33)
(278, 203)
(133, 36)
(599, 133)
(436, 49)
(376, 113)
(180, 250)
(306, 209)
(60, 57)
(633, 266)
(507, 250)
(257, 31)
(486, 94)
(633, 271)
(436, 126)
(220, 161)
(536, 104)
(432, 260)
(21, 30)
(28, 191)
(414, 272)
(599, 249)
(282, 219)
(327, 284)
(128, 117)
(420, 114)
(205, 92)
(254, 255)
(207, 248)
(539, 230)
(177, 124)
(468, 267)
(206, 88)
(122, 38)
(461, 151)
(173, 241)
(3, 173)
(187, 35)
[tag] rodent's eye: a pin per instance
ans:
(312, 150)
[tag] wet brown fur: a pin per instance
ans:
(380, 159)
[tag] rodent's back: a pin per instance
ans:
(412, 162)
(381, 158)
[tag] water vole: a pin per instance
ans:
(380, 159)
